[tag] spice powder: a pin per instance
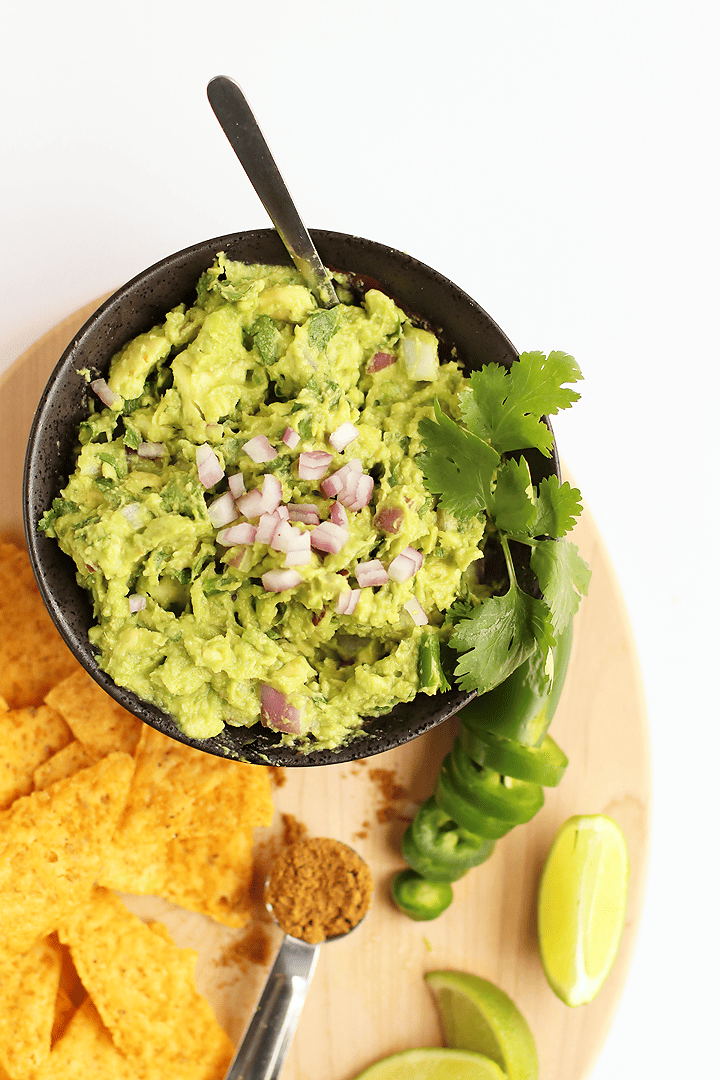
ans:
(318, 888)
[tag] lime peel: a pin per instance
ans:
(433, 1063)
(477, 1015)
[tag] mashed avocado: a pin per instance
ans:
(247, 513)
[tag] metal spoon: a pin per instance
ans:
(247, 140)
(262, 1052)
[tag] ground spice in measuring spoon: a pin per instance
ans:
(318, 888)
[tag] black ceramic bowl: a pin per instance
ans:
(143, 302)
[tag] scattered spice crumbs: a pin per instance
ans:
(392, 793)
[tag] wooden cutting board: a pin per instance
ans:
(368, 997)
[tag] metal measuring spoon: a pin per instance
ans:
(264, 1047)
(247, 140)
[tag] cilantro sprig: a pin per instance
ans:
(477, 468)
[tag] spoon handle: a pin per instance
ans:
(267, 1040)
(247, 140)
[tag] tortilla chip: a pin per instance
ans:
(33, 656)
(64, 1012)
(95, 718)
(28, 737)
(212, 875)
(66, 762)
(144, 989)
(209, 874)
(178, 791)
(86, 1052)
(28, 990)
(138, 867)
(51, 847)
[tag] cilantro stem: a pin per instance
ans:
(508, 560)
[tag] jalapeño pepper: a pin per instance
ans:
(439, 849)
(419, 898)
(462, 810)
(502, 797)
(491, 780)
(522, 706)
(544, 764)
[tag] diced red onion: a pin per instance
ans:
(223, 510)
(271, 493)
(388, 519)
(298, 557)
(415, 611)
(313, 464)
(236, 483)
(339, 480)
(329, 537)
(291, 437)
(249, 505)
(280, 580)
(380, 360)
(347, 601)
(214, 429)
(260, 450)
(132, 514)
(266, 528)
(210, 471)
(405, 565)
(242, 533)
(307, 513)
(343, 436)
(371, 573)
(362, 494)
(283, 512)
(277, 712)
(136, 602)
(285, 537)
(333, 485)
(106, 395)
(338, 515)
(151, 450)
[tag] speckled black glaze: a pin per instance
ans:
(141, 304)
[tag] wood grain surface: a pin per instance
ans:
(368, 997)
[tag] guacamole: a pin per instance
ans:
(248, 515)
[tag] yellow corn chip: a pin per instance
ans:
(64, 1012)
(95, 718)
(135, 867)
(208, 874)
(144, 989)
(33, 656)
(86, 1052)
(178, 791)
(28, 990)
(28, 737)
(212, 875)
(66, 762)
(52, 845)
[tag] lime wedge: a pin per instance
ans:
(581, 905)
(433, 1063)
(477, 1015)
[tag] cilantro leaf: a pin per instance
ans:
(321, 327)
(458, 466)
(563, 576)
(512, 507)
(558, 506)
(505, 405)
(265, 337)
(502, 632)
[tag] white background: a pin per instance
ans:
(559, 161)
